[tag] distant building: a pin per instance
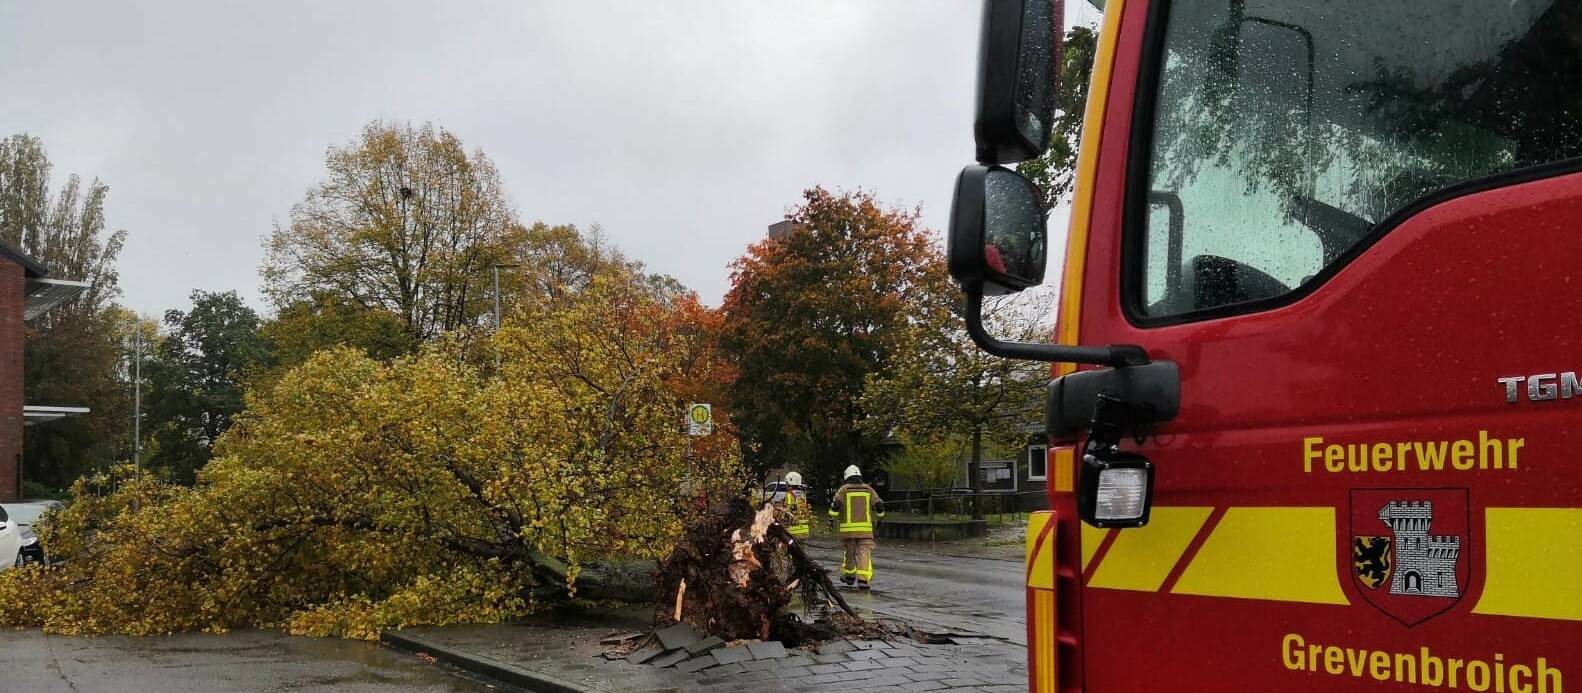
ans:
(26, 292)
(781, 229)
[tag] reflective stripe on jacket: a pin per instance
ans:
(856, 506)
(801, 526)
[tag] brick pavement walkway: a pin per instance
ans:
(571, 654)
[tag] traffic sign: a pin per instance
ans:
(700, 419)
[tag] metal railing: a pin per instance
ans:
(957, 504)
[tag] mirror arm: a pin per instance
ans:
(1118, 355)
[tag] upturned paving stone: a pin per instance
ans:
(766, 649)
(709, 643)
(836, 647)
(642, 656)
(696, 664)
(732, 655)
(677, 636)
(670, 658)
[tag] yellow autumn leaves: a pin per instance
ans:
(459, 484)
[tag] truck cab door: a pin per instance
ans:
(1354, 227)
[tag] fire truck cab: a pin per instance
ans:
(1315, 413)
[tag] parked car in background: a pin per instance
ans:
(10, 540)
(772, 492)
(25, 516)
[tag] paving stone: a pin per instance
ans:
(671, 658)
(696, 664)
(732, 655)
(786, 672)
(761, 665)
(677, 636)
(709, 643)
(836, 647)
(766, 649)
(890, 680)
(641, 656)
(819, 679)
(797, 660)
(725, 670)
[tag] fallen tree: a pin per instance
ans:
(455, 485)
(735, 572)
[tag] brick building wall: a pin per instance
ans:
(12, 299)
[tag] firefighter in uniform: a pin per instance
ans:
(854, 511)
(796, 507)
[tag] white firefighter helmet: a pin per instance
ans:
(853, 471)
(794, 479)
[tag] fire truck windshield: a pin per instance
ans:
(1284, 133)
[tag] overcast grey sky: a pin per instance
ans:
(682, 128)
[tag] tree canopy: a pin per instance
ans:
(406, 221)
(811, 314)
(196, 379)
(357, 495)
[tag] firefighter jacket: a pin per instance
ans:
(855, 508)
(799, 514)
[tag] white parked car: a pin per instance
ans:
(10, 540)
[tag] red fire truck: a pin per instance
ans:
(1316, 403)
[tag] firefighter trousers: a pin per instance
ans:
(858, 561)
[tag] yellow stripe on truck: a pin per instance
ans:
(1282, 554)
(1091, 538)
(1140, 559)
(1040, 551)
(1534, 563)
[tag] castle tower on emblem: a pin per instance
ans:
(1425, 565)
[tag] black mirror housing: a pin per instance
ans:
(998, 232)
(1018, 64)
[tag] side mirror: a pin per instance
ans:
(1018, 62)
(998, 245)
(998, 232)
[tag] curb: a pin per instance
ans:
(484, 666)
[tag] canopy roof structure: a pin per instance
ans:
(36, 414)
(44, 294)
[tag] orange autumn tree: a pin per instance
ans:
(811, 314)
(357, 495)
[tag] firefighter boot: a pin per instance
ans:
(862, 584)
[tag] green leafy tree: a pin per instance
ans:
(943, 391)
(811, 314)
(75, 354)
(197, 377)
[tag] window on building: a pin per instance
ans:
(1037, 462)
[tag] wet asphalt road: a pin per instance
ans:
(31, 662)
(979, 595)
